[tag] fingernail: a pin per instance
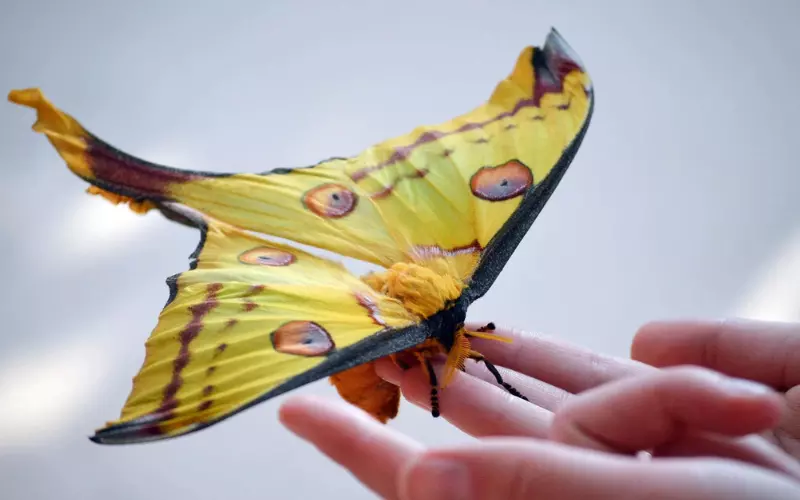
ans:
(436, 479)
(743, 387)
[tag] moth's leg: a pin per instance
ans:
(427, 368)
(486, 332)
(457, 355)
(434, 391)
(489, 327)
(478, 357)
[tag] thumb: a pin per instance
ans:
(641, 413)
(514, 469)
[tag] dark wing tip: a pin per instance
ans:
(558, 58)
(556, 44)
(141, 430)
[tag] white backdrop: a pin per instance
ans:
(682, 202)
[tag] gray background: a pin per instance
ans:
(682, 201)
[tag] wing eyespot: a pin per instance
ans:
(266, 256)
(331, 201)
(302, 338)
(501, 182)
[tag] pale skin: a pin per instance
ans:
(726, 427)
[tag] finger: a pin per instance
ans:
(477, 407)
(789, 433)
(646, 412)
(763, 351)
(372, 452)
(554, 361)
(750, 449)
(515, 469)
(389, 371)
(537, 392)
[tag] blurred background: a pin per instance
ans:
(682, 201)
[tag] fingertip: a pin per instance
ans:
(641, 346)
(300, 402)
(310, 417)
(297, 408)
(712, 401)
(314, 414)
(389, 371)
(762, 405)
(371, 451)
(655, 342)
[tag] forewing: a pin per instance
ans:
(438, 195)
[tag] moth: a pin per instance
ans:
(439, 210)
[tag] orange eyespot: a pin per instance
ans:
(266, 256)
(303, 338)
(330, 200)
(502, 182)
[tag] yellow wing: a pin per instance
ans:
(254, 319)
(251, 320)
(436, 196)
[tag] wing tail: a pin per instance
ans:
(319, 198)
(117, 176)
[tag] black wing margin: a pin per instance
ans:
(505, 242)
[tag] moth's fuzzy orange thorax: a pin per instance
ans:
(423, 291)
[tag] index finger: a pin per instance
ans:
(554, 361)
(371, 451)
(767, 352)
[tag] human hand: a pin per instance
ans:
(765, 352)
(701, 410)
(550, 372)
(397, 467)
